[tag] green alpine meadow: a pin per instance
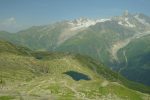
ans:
(74, 50)
(29, 75)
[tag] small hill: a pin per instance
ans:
(60, 76)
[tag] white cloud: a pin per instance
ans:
(9, 21)
(10, 25)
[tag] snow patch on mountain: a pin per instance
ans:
(142, 21)
(84, 23)
(117, 46)
(122, 43)
(77, 25)
(126, 23)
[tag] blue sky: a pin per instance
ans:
(18, 14)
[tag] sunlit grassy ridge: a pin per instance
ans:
(40, 76)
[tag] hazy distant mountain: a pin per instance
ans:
(100, 39)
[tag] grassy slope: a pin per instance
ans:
(40, 76)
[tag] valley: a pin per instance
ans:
(29, 75)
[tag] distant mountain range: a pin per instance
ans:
(121, 42)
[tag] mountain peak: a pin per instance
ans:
(126, 13)
(84, 22)
(132, 20)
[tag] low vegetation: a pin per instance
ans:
(27, 75)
